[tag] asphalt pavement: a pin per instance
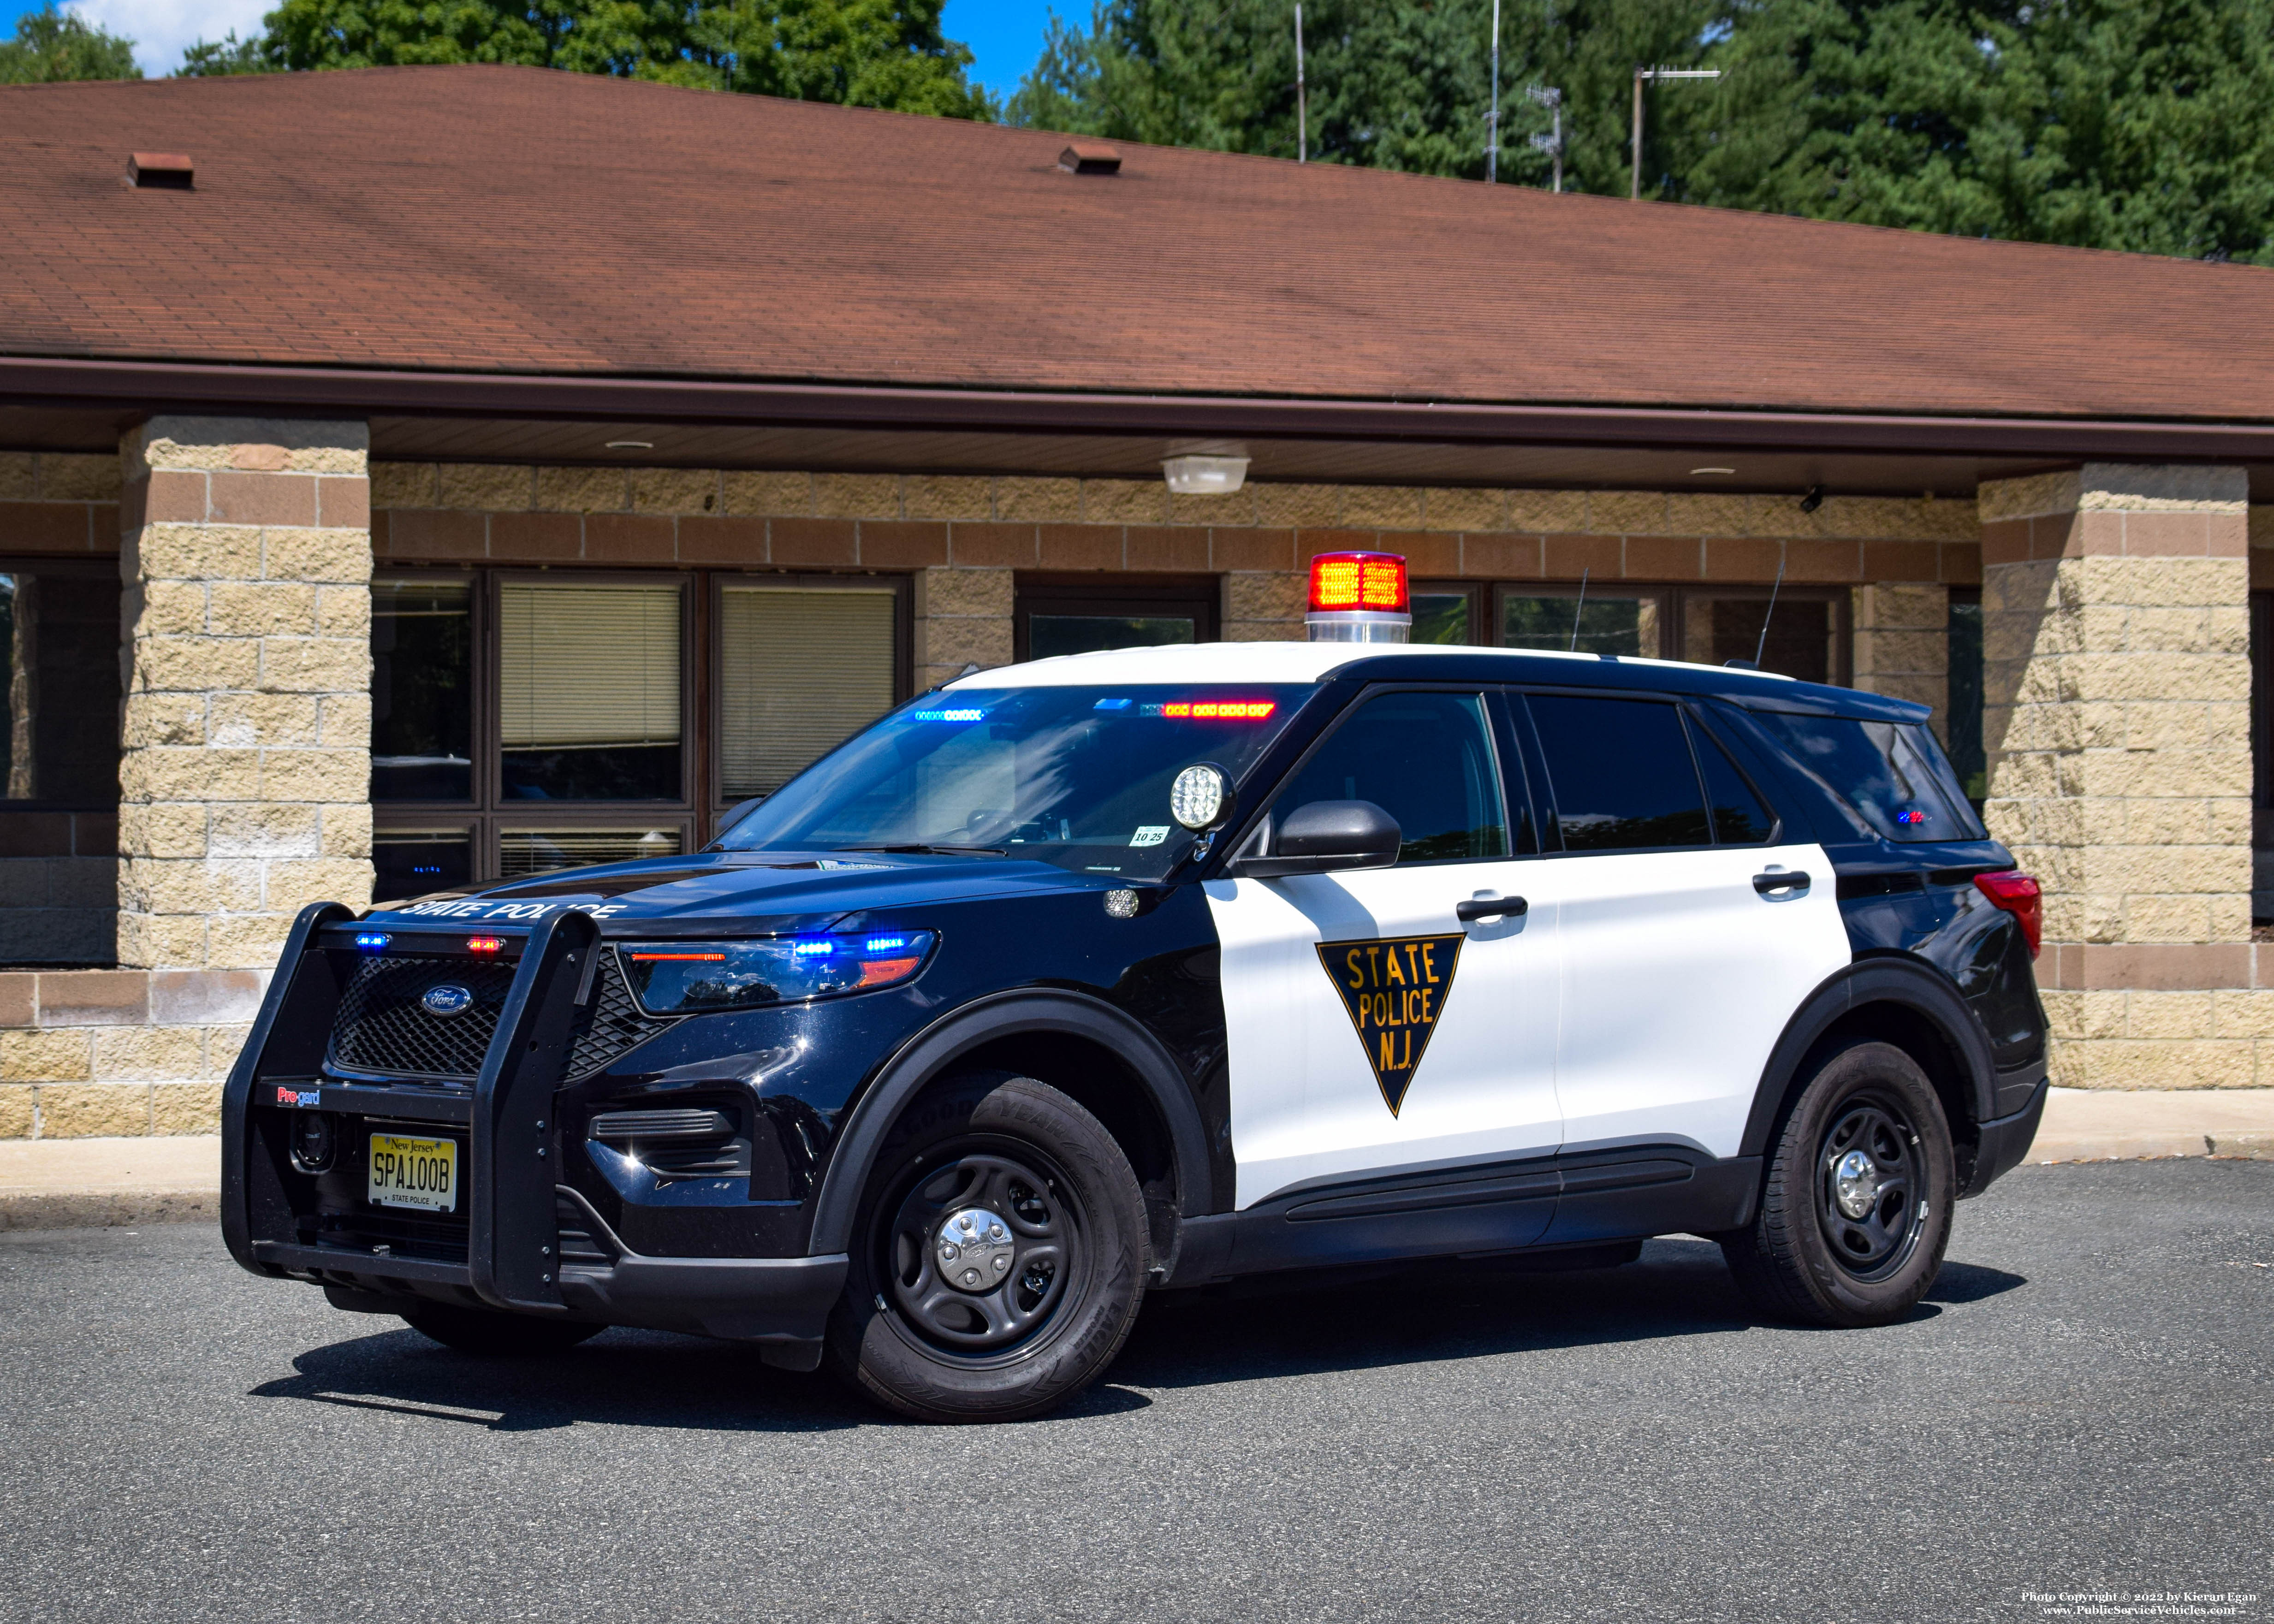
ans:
(2080, 1408)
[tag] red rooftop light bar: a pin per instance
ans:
(1359, 597)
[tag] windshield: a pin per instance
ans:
(1074, 776)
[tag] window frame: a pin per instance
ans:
(487, 815)
(1116, 596)
(493, 651)
(88, 569)
(1516, 806)
(1477, 592)
(1663, 596)
(1688, 716)
(715, 803)
(1842, 673)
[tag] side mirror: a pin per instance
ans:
(735, 814)
(1326, 836)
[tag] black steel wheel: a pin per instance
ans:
(494, 1334)
(1001, 1256)
(1857, 1200)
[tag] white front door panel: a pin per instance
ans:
(1308, 1105)
(1678, 979)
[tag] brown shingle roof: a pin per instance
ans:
(515, 220)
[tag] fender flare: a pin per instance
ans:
(1006, 1014)
(1900, 980)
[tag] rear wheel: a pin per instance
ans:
(496, 1335)
(1855, 1206)
(999, 1257)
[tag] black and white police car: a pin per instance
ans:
(1148, 969)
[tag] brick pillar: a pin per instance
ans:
(2116, 688)
(962, 618)
(1902, 644)
(244, 777)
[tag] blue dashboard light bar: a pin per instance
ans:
(963, 713)
(1111, 705)
(803, 947)
(372, 941)
(882, 944)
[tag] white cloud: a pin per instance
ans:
(161, 30)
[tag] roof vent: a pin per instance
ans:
(172, 171)
(1090, 158)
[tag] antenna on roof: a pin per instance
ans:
(1578, 611)
(1761, 647)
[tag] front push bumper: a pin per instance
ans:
(513, 1252)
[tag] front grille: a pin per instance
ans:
(382, 1027)
(608, 1024)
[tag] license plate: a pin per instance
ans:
(421, 1173)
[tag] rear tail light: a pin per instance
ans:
(2018, 894)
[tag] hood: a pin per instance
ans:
(777, 890)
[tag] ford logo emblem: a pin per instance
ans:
(446, 999)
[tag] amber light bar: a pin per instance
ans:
(1359, 597)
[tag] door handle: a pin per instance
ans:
(1489, 907)
(1795, 879)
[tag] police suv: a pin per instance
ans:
(1148, 969)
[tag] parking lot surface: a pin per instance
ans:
(2081, 1405)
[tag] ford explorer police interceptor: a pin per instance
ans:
(1148, 969)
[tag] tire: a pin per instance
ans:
(1857, 1251)
(942, 1331)
(497, 1336)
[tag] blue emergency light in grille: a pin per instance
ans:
(383, 1027)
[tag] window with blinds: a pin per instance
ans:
(589, 700)
(800, 670)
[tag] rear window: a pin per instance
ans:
(1894, 774)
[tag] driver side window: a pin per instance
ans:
(1426, 759)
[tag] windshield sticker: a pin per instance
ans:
(1150, 834)
(1394, 992)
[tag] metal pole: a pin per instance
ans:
(1634, 141)
(1302, 112)
(1558, 146)
(1635, 186)
(1491, 119)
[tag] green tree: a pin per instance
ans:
(864, 53)
(2114, 124)
(51, 46)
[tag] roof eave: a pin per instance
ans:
(179, 386)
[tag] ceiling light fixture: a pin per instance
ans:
(631, 445)
(1712, 470)
(1208, 468)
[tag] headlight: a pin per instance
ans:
(687, 978)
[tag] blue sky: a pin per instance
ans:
(1006, 35)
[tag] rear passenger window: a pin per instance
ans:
(1739, 817)
(1426, 759)
(1894, 774)
(1621, 773)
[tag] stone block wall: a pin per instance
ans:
(244, 775)
(2116, 710)
(1902, 643)
(88, 1053)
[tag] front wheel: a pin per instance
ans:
(999, 1257)
(1855, 1207)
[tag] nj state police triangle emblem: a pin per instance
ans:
(1394, 989)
